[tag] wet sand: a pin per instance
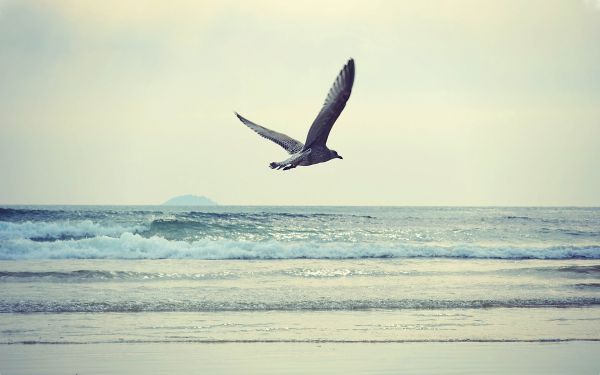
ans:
(578, 357)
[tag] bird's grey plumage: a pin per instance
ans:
(288, 143)
(332, 108)
(314, 151)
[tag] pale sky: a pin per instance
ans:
(466, 102)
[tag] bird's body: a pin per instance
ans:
(314, 150)
(314, 155)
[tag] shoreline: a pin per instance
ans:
(373, 326)
(316, 342)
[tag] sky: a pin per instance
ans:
(464, 102)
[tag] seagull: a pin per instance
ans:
(314, 150)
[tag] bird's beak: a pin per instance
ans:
(340, 157)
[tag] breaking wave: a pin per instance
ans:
(135, 246)
(292, 233)
(60, 230)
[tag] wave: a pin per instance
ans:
(513, 217)
(47, 226)
(264, 215)
(134, 246)
(587, 285)
(172, 340)
(61, 230)
(37, 214)
(170, 305)
(587, 270)
(102, 275)
(80, 276)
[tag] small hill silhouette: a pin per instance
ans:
(189, 200)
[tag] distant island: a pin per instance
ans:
(189, 200)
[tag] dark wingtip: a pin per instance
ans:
(240, 117)
(349, 68)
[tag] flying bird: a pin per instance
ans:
(314, 150)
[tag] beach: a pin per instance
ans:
(299, 187)
(302, 358)
(94, 290)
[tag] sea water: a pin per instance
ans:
(90, 274)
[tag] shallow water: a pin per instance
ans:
(241, 274)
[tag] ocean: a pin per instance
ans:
(154, 274)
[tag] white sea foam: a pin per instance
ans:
(24, 306)
(60, 229)
(135, 246)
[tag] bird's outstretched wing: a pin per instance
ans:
(334, 105)
(288, 143)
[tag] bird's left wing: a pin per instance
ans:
(288, 143)
(334, 105)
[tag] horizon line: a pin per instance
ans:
(302, 205)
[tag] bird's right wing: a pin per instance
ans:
(288, 143)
